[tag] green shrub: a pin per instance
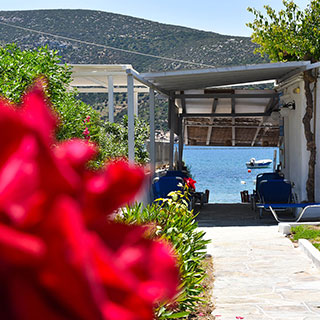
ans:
(116, 140)
(176, 224)
(20, 68)
(305, 232)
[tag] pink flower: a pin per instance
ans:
(60, 257)
(87, 119)
(238, 317)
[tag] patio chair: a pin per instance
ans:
(255, 196)
(161, 186)
(275, 191)
(303, 211)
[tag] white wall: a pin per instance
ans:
(296, 156)
(317, 134)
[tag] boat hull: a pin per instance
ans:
(259, 164)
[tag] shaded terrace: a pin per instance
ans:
(204, 107)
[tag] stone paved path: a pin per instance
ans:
(260, 275)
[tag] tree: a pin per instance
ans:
(290, 35)
(20, 68)
(115, 142)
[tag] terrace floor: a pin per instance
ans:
(259, 274)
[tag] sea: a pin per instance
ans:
(223, 171)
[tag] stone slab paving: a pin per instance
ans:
(260, 275)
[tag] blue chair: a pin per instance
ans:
(161, 186)
(255, 197)
(275, 191)
(308, 211)
(175, 173)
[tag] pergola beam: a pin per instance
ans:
(225, 95)
(256, 134)
(110, 99)
(152, 130)
(183, 103)
(233, 111)
(272, 102)
(223, 115)
(146, 82)
(171, 146)
(233, 139)
(230, 126)
(105, 90)
(180, 144)
(81, 74)
(214, 108)
(130, 118)
(185, 133)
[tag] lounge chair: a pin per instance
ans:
(274, 192)
(308, 211)
(255, 197)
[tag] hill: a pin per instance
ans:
(124, 32)
(127, 33)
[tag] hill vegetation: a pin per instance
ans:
(124, 32)
(127, 33)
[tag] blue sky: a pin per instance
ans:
(222, 16)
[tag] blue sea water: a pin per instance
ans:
(223, 171)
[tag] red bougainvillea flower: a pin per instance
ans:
(60, 255)
(86, 133)
(190, 183)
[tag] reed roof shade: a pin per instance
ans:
(227, 117)
(215, 114)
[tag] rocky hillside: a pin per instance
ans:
(126, 33)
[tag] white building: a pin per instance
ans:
(205, 109)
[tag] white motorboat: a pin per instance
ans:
(257, 164)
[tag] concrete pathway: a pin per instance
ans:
(260, 275)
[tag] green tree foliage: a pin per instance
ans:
(115, 143)
(292, 34)
(20, 68)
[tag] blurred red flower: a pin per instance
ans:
(60, 255)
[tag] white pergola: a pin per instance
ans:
(191, 94)
(196, 94)
(111, 78)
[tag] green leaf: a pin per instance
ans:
(177, 315)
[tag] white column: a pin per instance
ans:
(180, 143)
(110, 99)
(135, 103)
(171, 102)
(152, 131)
(317, 139)
(171, 149)
(130, 118)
